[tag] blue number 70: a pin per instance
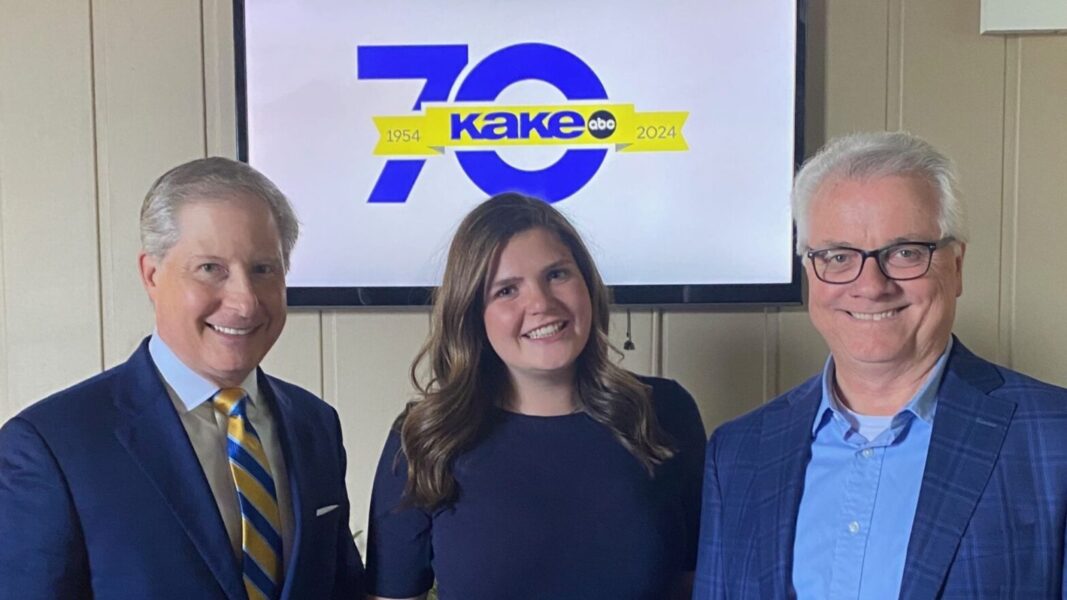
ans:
(439, 66)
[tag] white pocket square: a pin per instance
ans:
(325, 509)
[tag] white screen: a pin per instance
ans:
(716, 212)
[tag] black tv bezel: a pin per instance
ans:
(682, 295)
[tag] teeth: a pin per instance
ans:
(231, 330)
(547, 330)
(874, 316)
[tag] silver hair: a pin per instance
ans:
(879, 154)
(210, 179)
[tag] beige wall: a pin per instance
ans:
(99, 97)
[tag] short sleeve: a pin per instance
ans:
(680, 418)
(399, 550)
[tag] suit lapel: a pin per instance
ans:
(969, 429)
(294, 438)
(785, 449)
(152, 433)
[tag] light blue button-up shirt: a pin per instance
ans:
(860, 494)
(207, 428)
(190, 388)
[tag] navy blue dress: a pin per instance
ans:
(548, 508)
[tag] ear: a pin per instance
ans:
(149, 269)
(959, 268)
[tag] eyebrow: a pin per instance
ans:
(513, 280)
(897, 240)
(216, 258)
(499, 283)
(559, 263)
(195, 258)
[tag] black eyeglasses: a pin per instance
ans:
(900, 261)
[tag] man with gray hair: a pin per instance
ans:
(186, 472)
(909, 467)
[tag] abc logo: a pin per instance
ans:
(601, 124)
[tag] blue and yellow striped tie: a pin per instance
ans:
(261, 538)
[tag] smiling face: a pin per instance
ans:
(537, 308)
(874, 321)
(219, 292)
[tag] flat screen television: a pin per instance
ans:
(667, 132)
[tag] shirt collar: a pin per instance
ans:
(189, 386)
(923, 404)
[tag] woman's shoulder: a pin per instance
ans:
(667, 392)
(675, 407)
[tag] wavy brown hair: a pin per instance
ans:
(459, 377)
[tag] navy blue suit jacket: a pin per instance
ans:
(102, 496)
(991, 520)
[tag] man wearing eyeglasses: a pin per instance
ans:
(909, 467)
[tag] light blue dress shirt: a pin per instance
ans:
(206, 428)
(860, 494)
(190, 388)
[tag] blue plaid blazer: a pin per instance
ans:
(991, 521)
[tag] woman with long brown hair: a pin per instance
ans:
(532, 466)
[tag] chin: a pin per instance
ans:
(234, 367)
(552, 367)
(877, 354)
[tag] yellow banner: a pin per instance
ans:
(480, 126)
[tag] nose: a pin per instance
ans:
(540, 298)
(240, 295)
(872, 283)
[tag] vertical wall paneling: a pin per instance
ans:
(894, 72)
(638, 360)
(855, 67)
(814, 92)
(150, 117)
(220, 113)
(1039, 337)
(718, 357)
(801, 352)
(953, 95)
(771, 355)
(657, 341)
(7, 407)
(297, 355)
(1009, 194)
(366, 356)
(51, 294)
